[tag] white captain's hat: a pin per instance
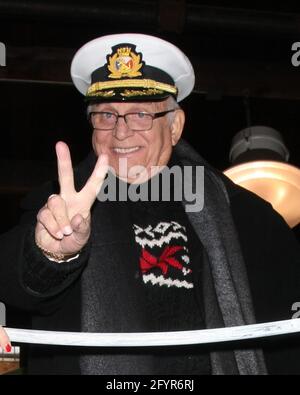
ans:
(131, 67)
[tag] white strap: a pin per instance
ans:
(143, 339)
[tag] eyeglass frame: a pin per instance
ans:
(154, 115)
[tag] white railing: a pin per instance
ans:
(145, 339)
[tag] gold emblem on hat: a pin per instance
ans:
(124, 63)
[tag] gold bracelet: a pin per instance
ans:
(54, 255)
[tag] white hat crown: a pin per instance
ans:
(155, 51)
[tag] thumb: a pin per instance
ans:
(81, 227)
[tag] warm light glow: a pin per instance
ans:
(276, 182)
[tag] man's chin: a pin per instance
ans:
(139, 174)
(136, 178)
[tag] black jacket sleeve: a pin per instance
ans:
(272, 257)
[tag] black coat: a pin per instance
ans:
(271, 254)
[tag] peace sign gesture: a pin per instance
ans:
(64, 223)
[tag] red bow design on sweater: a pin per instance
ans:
(148, 261)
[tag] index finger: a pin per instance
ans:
(65, 169)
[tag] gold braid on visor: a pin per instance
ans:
(142, 83)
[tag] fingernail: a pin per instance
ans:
(8, 348)
(59, 235)
(68, 230)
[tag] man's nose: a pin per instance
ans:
(122, 131)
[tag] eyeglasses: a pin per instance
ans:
(136, 121)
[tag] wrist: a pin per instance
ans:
(55, 256)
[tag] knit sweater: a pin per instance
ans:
(167, 249)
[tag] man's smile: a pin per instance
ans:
(125, 151)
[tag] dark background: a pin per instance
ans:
(240, 50)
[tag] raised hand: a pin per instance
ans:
(63, 224)
(4, 340)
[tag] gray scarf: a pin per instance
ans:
(227, 297)
(226, 293)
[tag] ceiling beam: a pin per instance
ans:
(254, 79)
(145, 13)
(228, 77)
(172, 15)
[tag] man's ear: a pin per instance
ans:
(177, 126)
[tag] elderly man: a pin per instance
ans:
(80, 262)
